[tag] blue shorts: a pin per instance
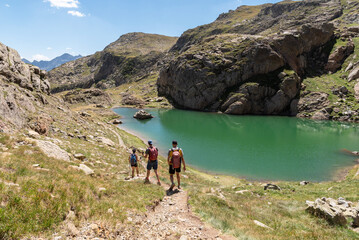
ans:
(152, 164)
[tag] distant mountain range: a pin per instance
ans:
(54, 63)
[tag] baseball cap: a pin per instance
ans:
(150, 142)
(174, 142)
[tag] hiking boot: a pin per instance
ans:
(179, 187)
(147, 181)
(159, 183)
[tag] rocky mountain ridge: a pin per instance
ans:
(54, 63)
(254, 60)
(132, 57)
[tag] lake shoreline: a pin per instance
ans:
(338, 175)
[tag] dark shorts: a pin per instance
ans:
(134, 165)
(152, 164)
(173, 170)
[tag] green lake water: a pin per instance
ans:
(254, 147)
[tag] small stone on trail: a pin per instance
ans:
(36, 165)
(72, 229)
(94, 227)
(71, 216)
(102, 189)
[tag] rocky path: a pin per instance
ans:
(172, 218)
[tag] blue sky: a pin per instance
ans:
(44, 29)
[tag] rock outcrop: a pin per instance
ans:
(354, 75)
(52, 150)
(89, 96)
(337, 58)
(339, 212)
(254, 66)
(23, 88)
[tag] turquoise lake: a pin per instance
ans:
(254, 147)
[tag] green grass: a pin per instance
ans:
(44, 198)
(284, 210)
(142, 89)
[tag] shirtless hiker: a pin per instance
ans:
(175, 159)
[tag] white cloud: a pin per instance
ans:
(68, 48)
(76, 13)
(7, 5)
(49, 48)
(39, 57)
(64, 3)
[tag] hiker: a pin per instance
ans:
(175, 159)
(152, 154)
(133, 160)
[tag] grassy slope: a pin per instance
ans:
(144, 89)
(44, 198)
(284, 210)
(226, 23)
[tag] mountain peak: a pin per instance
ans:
(139, 43)
(56, 62)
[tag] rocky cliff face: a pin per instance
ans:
(132, 57)
(23, 88)
(253, 60)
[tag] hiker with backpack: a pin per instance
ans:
(175, 159)
(133, 160)
(152, 154)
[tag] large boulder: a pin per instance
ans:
(338, 212)
(142, 115)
